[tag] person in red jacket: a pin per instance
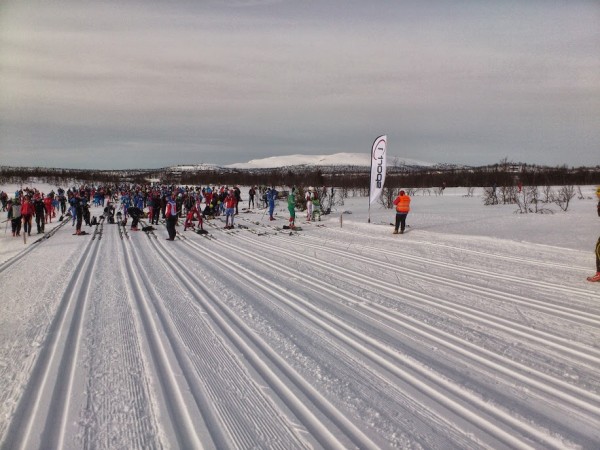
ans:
(230, 202)
(402, 203)
(27, 212)
(48, 205)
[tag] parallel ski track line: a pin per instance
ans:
(228, 363)
(577, 316)
(545, 285)
(239, 334)
(565, 346)
(47, 395)
(6, 264)
(174, 389)
(493, 255)
(223, 438)
(362, 344)
(482, 356)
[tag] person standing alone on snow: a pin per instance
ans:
(402, 203)
(597, 276)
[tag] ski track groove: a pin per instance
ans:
(390, 390)
(173, 388)
(578, 316)
(123, 417)
(46, 397)
(6, 264)
(502, 415)
(225, 318)
(458, 345)
(236, 438)
(312, 313)
(535, 262)
(567, 347)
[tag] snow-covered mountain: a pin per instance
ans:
(337, 159)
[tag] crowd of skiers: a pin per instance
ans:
(171, 203)
(121, 202)
(29, 204)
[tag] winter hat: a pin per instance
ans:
(402, 192)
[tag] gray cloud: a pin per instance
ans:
(148, 84)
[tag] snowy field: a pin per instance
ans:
(475, 329)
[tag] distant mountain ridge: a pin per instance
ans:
(300, 161)
(336, 159)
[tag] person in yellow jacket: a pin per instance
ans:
(402, 203)
(597, 276)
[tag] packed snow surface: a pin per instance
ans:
(475, 329)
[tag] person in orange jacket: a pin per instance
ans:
(402, 203)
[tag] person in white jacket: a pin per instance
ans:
(309, 203)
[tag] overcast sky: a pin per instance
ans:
(144, 84)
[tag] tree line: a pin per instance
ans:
(503, 174)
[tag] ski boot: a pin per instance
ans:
(594, 277)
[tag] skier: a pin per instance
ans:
(251, 194)
(402, 203)
(597, 276)
(171, 216)
(189, 219)
(14, 213)
(135, 213)
(237, 194)
(230, 202)
(271, 197)
(27, 212)
(291, 200)
(156, 207)
(48, 206)
(40, 210)
(78, 208)
(316, 206)
(309, 204)
(109, 212)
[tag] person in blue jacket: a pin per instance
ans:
(271, 197)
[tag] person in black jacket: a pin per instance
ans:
(135, 214)
(40, 210)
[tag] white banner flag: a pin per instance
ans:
(378, 166)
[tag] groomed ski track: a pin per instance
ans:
(260, 337)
